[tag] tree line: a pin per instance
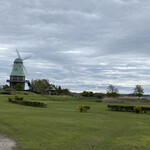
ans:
(43, 86)
(113, 92)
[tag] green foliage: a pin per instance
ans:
(18, 87)
(137, 109)
(120, 108)
(91, 94)
(138, 91)
(5, 92)
(60, 91)
(65, 92)
(5, 87)
(87, 94)
(99, 95)
(112, 91)
(18, 98)
(40, 85)
(83, 108)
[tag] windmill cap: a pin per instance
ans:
(18, 60)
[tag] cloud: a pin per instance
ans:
(81, 45)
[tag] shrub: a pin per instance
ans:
(18, 87)
(27, 103)
(145, 109)
(83, 108)
(137, 109)
(25, 93)
(5, 92)
(120, 108)
(18, 98)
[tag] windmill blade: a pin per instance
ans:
(25, 69)
(18, 54)
(26, 58)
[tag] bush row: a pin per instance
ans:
(137, 109)
(18, 98)
(27, 103)
(5, 92)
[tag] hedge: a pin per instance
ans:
(27, 103)
(18, 98)
(137, 109)
(5, 92)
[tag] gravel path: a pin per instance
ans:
(6, 143)
(121, 101)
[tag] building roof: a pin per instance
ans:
(18, 68)
(18, 60)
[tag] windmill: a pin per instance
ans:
(18, 72)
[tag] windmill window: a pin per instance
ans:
(15, 78)
(20, 78)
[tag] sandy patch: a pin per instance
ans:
(6, 143)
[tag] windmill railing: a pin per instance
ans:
(16, 81)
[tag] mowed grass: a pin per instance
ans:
(61, 126)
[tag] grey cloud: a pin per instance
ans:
(81, 45)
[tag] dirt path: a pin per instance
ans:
(6, 143)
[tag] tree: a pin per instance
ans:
(87, 94)
(59, 90)
(84, 94)
(99, 95)
(43, 86)
(40, 85)
(18, 87)
(112, 91)
(138, 91)
(65, 92)
(5, 87)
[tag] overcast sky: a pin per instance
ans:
(78, 44)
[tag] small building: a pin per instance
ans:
(51, 90)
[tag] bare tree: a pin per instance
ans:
(112, 91)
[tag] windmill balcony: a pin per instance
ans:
(16, 79)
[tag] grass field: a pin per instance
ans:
(61, 126)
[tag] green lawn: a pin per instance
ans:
(61, 126)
